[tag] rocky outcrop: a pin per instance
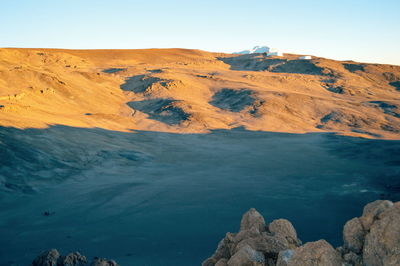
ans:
(53, 258)
(311, 254)
(371, 240)
(47, 258)
(255, 243)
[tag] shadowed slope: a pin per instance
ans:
(73, 185)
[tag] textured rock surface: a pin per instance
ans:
(72, 259)
(252, 218)
(372, 210)
(353, 235)
(255, 243)
(372, 239)
(247, 256)
(312, 254)
(285, 228)
(382, 243)
(53, 258)
(47, 258)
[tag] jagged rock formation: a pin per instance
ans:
(53, 258)
(371, 240)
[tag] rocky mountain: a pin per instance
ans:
(177, 90)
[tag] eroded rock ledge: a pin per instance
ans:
(372, 239)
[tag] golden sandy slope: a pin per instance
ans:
(178, 90)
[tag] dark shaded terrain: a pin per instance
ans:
(233, 100)
(152, 198)
(164, 110)
(260, 62)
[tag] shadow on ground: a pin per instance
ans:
(261, 62)
(167, 111)
(155, 198)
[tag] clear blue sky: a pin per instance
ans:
(361, 30)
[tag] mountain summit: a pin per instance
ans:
(255, 50)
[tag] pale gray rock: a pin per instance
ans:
(284, 257)
(247, 256)
(252, 218)
(382, 243)
(247, 233)
(372, 239)
(265, 243)
(222, 262)
(285, 228)
(312, 254)
(353, 235)
(352, 258)
(372, 210)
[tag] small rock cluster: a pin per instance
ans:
(372, 239)
(53, 258)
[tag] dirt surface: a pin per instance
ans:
(191, 91)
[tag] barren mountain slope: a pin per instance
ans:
(177, 90)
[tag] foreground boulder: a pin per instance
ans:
(255, 243)
(47, 258)
(370, 240)
(373, 238)
(53, 258)
(311, 254)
